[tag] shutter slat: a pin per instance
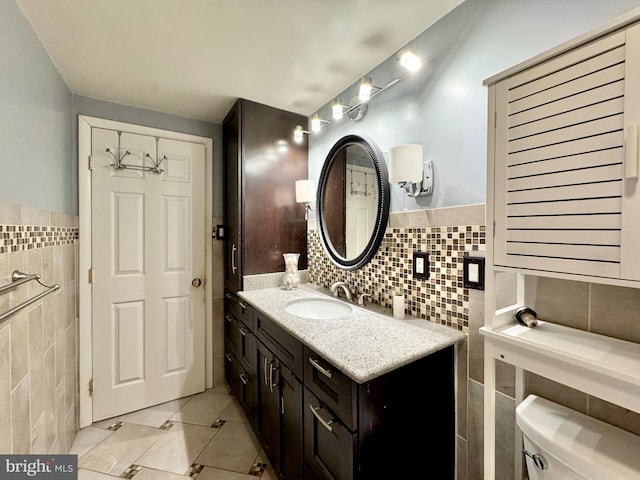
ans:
(571, 192)
(594, 222)
(585, 145)
(573, 57)
(576, 207)
(568, 134)
(574, 162)
(568, 119)
(582, 100)
(576, 252)
(608, 76)
(579, 267)
(570, 237)
(586, 67)
(587, 175)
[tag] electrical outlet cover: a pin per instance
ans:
(420, 259)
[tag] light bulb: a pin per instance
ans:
(365, 89)
(410, 61)
(298, 134)
(336, 109)
(316, 124)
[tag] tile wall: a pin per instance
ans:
(441, 299)
(38, 345)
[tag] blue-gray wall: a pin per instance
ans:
(35, 121)
(444, 105)
(139, 116)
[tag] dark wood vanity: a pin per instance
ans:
(315, 422)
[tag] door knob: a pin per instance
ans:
(196, 282)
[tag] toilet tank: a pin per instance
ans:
(575, 445)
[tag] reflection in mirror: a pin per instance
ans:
(353, 201)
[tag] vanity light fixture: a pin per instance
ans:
(305, 193)
(409, 61)
(407, 168)
(298, 133)
(337, 109)
(365, 89)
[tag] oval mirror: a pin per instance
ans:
(353, 201)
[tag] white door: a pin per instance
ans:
(361, 208)
(147, 246)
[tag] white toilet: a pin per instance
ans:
(562, 444)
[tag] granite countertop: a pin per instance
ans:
(364, 344)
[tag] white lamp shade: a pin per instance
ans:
(305, 191)
(405, 163)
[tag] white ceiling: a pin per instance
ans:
(195, 57)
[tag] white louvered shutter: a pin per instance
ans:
(559, 162)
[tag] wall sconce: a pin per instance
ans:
(305, 193)
(409, 61)
(407, 168)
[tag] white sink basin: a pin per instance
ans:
(318, 308)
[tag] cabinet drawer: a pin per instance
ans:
(283, 345)
(337, 391)
(329, 447)
(234, 333)
(242, 382)
(239, 308)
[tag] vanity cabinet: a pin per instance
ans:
(564, 151)
(261, 165)
(389, 427)
(314, 422)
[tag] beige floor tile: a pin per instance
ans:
(115, 454)
(151, 474)
(203, 409)
(151, 417)
(233, 412)
(87, 438)
(210, 473)
(91, 475)
(234, 448)
(178, 448)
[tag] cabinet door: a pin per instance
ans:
(291, 426)
(559, 161)
(232, 197)
(268, 404)
(329, 447)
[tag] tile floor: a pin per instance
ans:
(205, 436)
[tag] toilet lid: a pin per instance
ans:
(586, 445)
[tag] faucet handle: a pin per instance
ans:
(361, 298)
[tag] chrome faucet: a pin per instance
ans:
(336, 292)
(361, 298)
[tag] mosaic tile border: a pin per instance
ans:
(441, 299)
(16, 238)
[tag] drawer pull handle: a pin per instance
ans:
(229, 318)
(228, 295)
(243, 305)
(244, 378)
(229, 356)
(317, 366)
(243, 331)
(325, 424)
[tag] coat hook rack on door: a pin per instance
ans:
(119, 165)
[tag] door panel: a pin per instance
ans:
(128, 342)
(147, 246)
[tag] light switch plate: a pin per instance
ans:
(420, 265)
(473, 272)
